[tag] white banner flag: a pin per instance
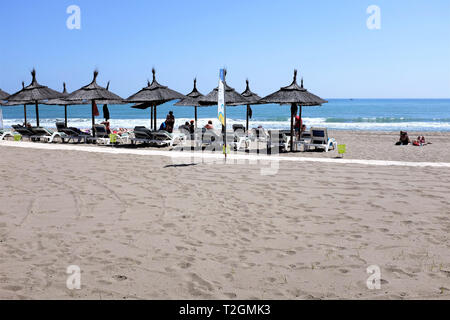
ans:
(1, 118)
(221, 98)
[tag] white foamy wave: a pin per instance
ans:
(85, 123)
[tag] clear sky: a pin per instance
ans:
(327, 40)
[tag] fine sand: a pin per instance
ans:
(155, 227)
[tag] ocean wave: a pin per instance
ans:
(390, 124)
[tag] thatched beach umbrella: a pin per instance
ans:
(252, 98)
(19, 103)
(93, 92)
(192, 99)
(62, 102)
(294, 95)
(34, 93)
(153, 95)
(232, 98)
(3, 95)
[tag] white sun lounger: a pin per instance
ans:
(4, 134)
(320, 140)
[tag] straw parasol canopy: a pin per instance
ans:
(34, 93)
(18, 103)
(294, 95)
(153, 95)
(3, 95)
(192, 99)
(232, 98)
(93, 92)
(251, 97)
(62, 102)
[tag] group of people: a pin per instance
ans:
(404, 140)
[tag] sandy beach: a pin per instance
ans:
(157, 227)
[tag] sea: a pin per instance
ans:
(339, 114)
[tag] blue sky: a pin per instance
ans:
(327, 40)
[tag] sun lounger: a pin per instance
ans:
(162, 138)
(210, 140)
(4, 134)
(259, 134)
(101, 135)
(71, 133)
(40, 133)
(142, 134)
(240, 137)
(320, 140)
(23, 131)
(277, 141)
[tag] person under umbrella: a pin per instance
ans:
(34, 93)
(93, 92)
(294, 95)
(152, 96)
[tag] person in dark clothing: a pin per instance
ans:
(163, 126)
(170, 122)
(404, 139)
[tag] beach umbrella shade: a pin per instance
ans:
(3, 95)
(34, 93)
(19, 103)
(62, 102)
(294, 95)
(252, 98)
(93, 92)
(232, 98)
(153, 95)
(192, 99)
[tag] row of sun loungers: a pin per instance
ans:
(279, 140)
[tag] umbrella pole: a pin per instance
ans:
(93, 118)
(65, 115)
(292, 127)
(151, 117)
(154, 119)
(25, 113)
(37, 114)
(246, 124)
(195, 117)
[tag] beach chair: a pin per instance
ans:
(277, 141)
(4, 134)
(259, 135)
(162, 138)
(240, 137)
(101, 135)
(210, 140)
(71, 133)
(41, 133)
(142, 134)
(23, 131)
(320, 140)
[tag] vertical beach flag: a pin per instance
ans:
(221, 98)
(1, 118)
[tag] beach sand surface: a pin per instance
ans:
(154, 227)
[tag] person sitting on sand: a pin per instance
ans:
(404, 139)
(209, 125)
